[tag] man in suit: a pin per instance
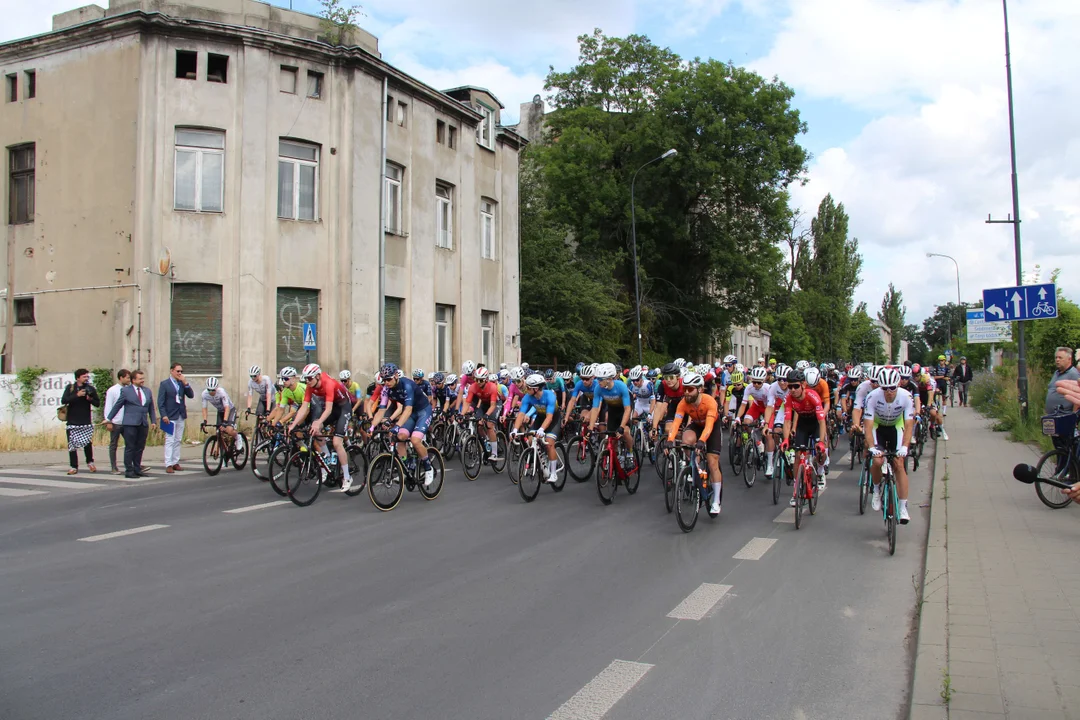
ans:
(173, 411)
(138, 406)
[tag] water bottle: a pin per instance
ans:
(332, 460)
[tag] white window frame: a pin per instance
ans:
(444, 338)
(487, 337)
(444, 206)
(395, 176)
(200, 152)
(487, 228)
(486, 126)
(298, 163)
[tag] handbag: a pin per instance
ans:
(61, 413)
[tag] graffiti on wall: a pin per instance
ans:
(295, 307)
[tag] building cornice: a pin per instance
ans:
(510, 137)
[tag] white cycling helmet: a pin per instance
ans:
(802, 364)
(468, 367)
(311, 370)
(855, 373)
(589, 371)
(606, 371)
(451, 379)
(905, 372)
(344, 376)
(739, 367)
(680, 362)
(288, 372)
(702, 369)
(480, 373)
(517, 374)
(692, 379)
(634, 374)
(875, 374)
(567, 375)
(759, 374)
(813, 376)
(729, 359)
(536, 380)
(525, 365)
(782, 371)
(254, 370)
(888, 378)
(211, 383)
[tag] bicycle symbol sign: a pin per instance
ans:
(1026, 302)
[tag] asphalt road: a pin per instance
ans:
(475, 605)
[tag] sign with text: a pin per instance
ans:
(1026, 302)
(980, 331)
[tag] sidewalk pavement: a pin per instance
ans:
(153, 455)
(999, 627)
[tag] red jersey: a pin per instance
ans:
(810, 405)
(329, 389)
(667, 394)
(487, 393)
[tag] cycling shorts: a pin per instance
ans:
(260, 406)
(887, 437)
(755, 411)
(553, 429)
(806, 434)
(338, 418)
(615, 412)
(418, 422)
(715, 443)
(229, 421)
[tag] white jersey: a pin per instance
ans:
(643, 395)
(775, 400)
(219, 400)
(886, 413)
(261, 387)
(758, 395)
(861, 392)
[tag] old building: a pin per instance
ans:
(194, 180)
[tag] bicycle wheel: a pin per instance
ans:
(778, 471)
(812, 492)
(276, 466)
(514, 450)
(560, 473)
(385, 481)
(800, 491)
(633, 477)
(303, 478)
(851, 454)
(750, 464)
(436, 435)
(669, 481)
(260, 459)
(240, 457)
(432, 491)
(1047, 468)
(529, 475)
(581, 459)
(500, 447)
(605, 479)
(687, 500)
(472, 457)
(661, 466)
(864, 488)
(357, 469)
(211, 455)
(890, 515)
(737, 458)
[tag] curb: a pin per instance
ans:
(932, 648)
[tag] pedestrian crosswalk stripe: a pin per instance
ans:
(18, 492)
(45, 482)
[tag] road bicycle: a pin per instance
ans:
(581, 454)
(890, 501)
(220, 448)
(308, 469)
(610, 471)
(782, 471)
(644, 443)
(389, 475)
(806, 491)
(865, 483)
(475, 453)
(832, 427)
(270, 440)
(278, 462)
(1062, 464)
(689, 487)
(533, 468)
(735, 446)
(856, 450)
(753, 454)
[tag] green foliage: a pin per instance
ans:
(1044, 336)
(28, 379)
(102, 380)
(892, 314)
(995, 395)
(791, 341)
(865, 339)
(338, 21)
(946, 324)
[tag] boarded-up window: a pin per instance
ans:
(195, 336)
(393, 331)
(295, 306)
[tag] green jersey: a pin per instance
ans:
(292, 397)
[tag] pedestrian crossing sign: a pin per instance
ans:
(309, 336)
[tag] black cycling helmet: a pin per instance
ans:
(669, 369)
(549, 375)
(796, 376)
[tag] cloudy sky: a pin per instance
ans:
(905, 101)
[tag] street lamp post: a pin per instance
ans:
(633, 243)
(959, 303)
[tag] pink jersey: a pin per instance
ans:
(512, 392)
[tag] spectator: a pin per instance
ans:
(112, 395)
(1064, 370)
(138, 406)
(78, 397)
(173, 411)
(961, 377)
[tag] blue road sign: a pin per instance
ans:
(310, 333)
(1027, 302)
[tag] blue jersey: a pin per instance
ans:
(539, 407)
(425, 387)
(586, 390)
(642, 392)
(408, 393)
(445, 393)
(557, 386)
(617, 395)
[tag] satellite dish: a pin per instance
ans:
(165, 263)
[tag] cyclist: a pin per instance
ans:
(755, 399)
(611, 405)
(540, 409)
(483, 392)
(868, 384)
(421, 382)
(556, 385)
(215, 395)
(846, 393)
(642, 390)
(515, 391)
(702, 412)
(290, 398)
(887, 425)
(941, 373)
(263, 386)
(927, 392)
(907, 382)
(467, 369)
(331, 404)
(735, 392)
(774, 414)
(412, 423)
(356, 397)
(584, 389)
(805, 421)
(668, 393)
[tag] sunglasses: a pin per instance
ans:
(692, 389)
(671, 377)
(794, 386)
(888, 388)
(756, 382)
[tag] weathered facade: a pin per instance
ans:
(226, 165)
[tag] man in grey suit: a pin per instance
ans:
(138, 405)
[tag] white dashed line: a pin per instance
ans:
(754, 549)
(698, 603)
(249, 508)
(594, 700)
(787, 516)
(122, 533)
(43, 482)
(16, 492)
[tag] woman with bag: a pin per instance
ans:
(78, 397)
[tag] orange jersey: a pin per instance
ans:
(703, 412)
(822, 389)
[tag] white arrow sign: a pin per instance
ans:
(995, 310)
(1042, 293)
(1016, 304)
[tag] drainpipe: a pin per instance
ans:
(9, 330)
(382, 232)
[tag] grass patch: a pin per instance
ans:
(995, 395)
(946, 686)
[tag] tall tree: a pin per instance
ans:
(866, 345)
(892, 314)
(945, 325)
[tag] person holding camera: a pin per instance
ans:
(172, 407)
(78, 397)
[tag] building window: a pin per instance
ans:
(31, 84)
(444, 338)
(187, 62)
(21, 182)
(295, 306)
(298, 180)
(314, 84)
(11, 86)
(392, 325)
(487, 229)
(195, 330)
(394, 175)
(451, 137)
(389, 108)
(217, 68)
(440, 132)
(487, 338)
(485, 130)
(287, 79)
(24, 311)
(402, 112)
(199, 176)
(444, 217)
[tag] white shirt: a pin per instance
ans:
(112, 395)
(883, 412)
(219, 400)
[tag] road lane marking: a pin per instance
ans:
(786, 516)
(249, 508)
(698, 603)
(754, 549)
(594, 700)
(122, 533)
(59, 473)
(16, 492)
(43, 482)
